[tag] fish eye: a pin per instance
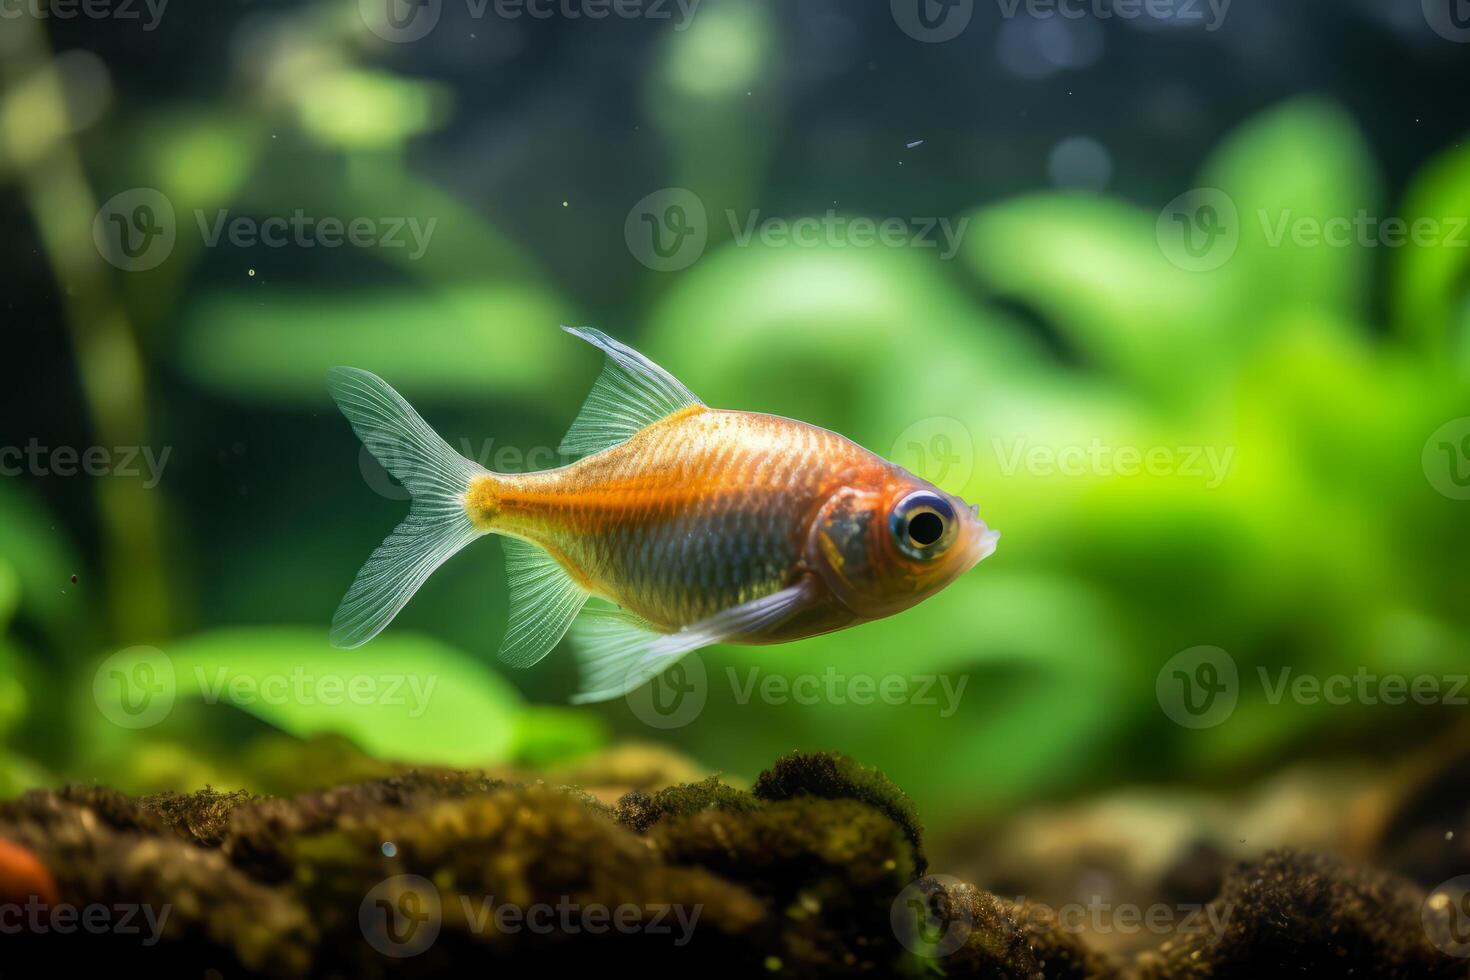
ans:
(923, 525)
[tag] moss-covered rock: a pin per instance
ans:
(1301, 915)
(815, 871)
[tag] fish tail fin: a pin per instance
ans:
(440, 519)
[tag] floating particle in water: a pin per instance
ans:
(73, 580)
(1448, 834)
(390, 849)
(565, 204)
(910, 146)
(251, 273)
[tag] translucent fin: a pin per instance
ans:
(437, 525)
(631, 393)
(618, 651)
(543, 602)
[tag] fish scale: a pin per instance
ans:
(666, 524)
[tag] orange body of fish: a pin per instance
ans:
(701, 525)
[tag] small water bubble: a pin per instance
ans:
(390, 849)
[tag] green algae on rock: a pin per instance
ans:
(811, 872)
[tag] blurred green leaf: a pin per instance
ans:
(549, 735)
(1430, 288)
(837, 337)
(276, 345)
(18, 774)
(402, 697)
(14, 699)
(1085, 263)
(356, 108)
(1305, 159)
(38, 556)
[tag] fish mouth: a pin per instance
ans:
(981, 546)
(982, 537)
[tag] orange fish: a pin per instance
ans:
(703, 525)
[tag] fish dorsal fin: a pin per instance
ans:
(631, 393)
(543, 602)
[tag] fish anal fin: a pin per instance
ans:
(544, 600)
(617, 651)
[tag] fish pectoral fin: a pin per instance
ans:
(544, 599)
(617, 651)
(632, 393)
